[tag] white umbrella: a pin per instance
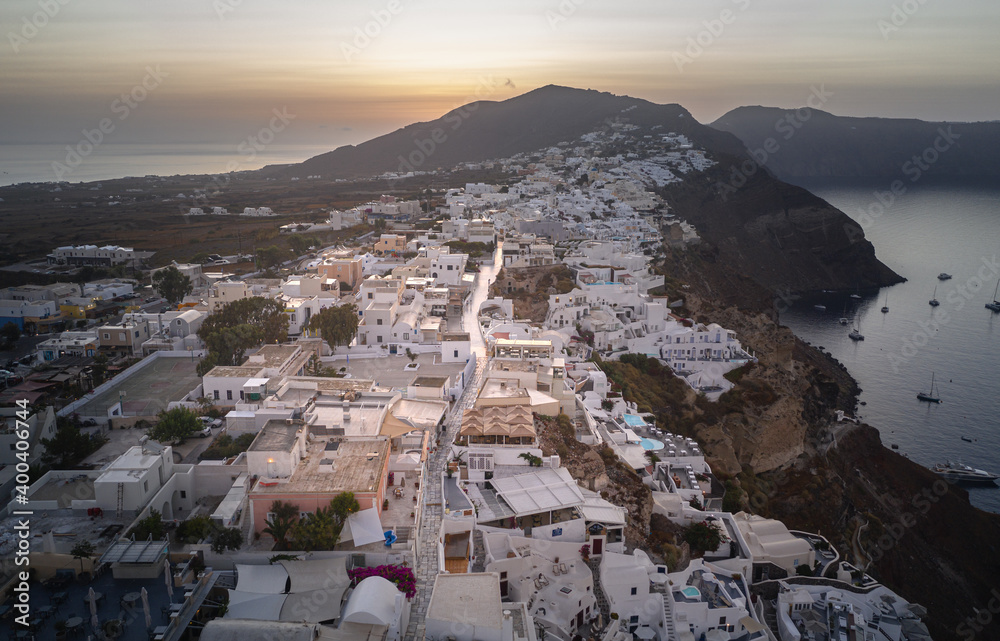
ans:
(145, 607)
(92, 597)
(167, 576)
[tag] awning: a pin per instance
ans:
(250, 605)
(393, 427)
(752, 625)
(363, 527)
(314, 606)
(261, 579)
(317, 574)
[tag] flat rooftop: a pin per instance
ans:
(149, 390)
(272, 355)
(471, 599)
(503, 388)
(276, 436)
(357, 467)
(234, 371)
(65, 491)
(390, 372)
(430, 381)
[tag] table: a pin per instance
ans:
(59, 598)
(158, 632)
(130, 598)
(98, 596)
(74, 623)
(46, 611)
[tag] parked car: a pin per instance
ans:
(204, 432)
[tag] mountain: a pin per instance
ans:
(813, 143)
(783, 237)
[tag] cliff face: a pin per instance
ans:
(914, 532)
(781, 236)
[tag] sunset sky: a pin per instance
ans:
(224, 65)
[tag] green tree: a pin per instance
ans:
(229, 538)
(151, 526)
(175, 425)
(240, 326)
(83, 550)
(172, 284)
(68, 445)
(272, 256)
(336, 325)
(229, 345)
(280, 525)
(343, 505)
(9, 334)
(318, 531)
(703, 536)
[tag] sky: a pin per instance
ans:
(216, 71)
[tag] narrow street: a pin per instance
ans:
(432, 510)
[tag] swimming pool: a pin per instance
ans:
(691, 592)
(651, 444)
(634, 420)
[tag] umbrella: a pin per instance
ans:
(145, 607)
(92, 597)
(167, 576)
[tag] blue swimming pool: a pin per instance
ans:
(691, 592)
(651, 444)
(634, 420)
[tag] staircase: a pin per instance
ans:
(479, 551)
(602, 599)
(668, 611)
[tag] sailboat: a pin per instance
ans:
(885, 307)
(995, 305)
(856, 334)
(933, 302)
(843, 319)
(929, 396)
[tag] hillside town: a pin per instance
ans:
(411, 435)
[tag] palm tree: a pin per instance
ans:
(285, 515)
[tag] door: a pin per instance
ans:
(598, 545)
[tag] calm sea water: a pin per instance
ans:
(34, 163)
(932, 228)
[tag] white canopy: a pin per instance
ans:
(252, 605)
(262, 579)
(317, 574)
(374, 602)
(363, 527)
(314, 606)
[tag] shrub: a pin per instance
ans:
(401, 575)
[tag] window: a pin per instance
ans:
(449, 267)
(121, 336)
(137, 333)
(406, 336)
(215, 394)
(378, 339)
(370, 295)
(184, 494)
(107, 336)
(456, 353)
(229, 394)
(634, 618)
(634, 591)
(271, 516)
(241, 395)
(145, 486)
(378, 321)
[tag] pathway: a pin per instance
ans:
(432, 510)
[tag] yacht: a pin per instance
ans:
(933, 302)
(959, 473)
(819, 308)
(995, 305)
(930, 396)
(885, 307)
(855, 335)
(944, 276)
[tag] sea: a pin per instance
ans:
(927, 229)
(34, 163)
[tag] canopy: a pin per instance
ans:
(317, 574)
(262, 579)
(363, 527)
(752, 625)
(251, 605)
(393, 427)
(374, 602)
(314, 606)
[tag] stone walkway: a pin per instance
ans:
(432, 511)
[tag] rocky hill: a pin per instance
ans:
(810, 143)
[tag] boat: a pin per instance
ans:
(944, 276)
(885, 307)
(855, 334)
(844, 320)
(966, 439)
(960, 473)
(819, 308)
(856, 296)
(995, 305)
(929, 396)
(933, 302)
